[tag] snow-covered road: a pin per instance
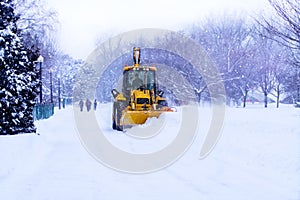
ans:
(257, 157)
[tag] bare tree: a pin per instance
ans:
(286, 27)
(248, 76)
(228, 42)
(36, 17)
(265, 65)
(281, 70)
(38, 26)
(285, 30)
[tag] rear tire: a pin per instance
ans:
(114, 125)
(119, 128)
(118, 114)
(118, 107)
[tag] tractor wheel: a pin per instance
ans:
(118, 107)
(118, 115)
(114, 125)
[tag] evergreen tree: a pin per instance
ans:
(18, 78)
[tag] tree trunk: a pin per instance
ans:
(277, 99)
(199, 97)
(245, 99)
(266, 99)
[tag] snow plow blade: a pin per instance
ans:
(139, 117)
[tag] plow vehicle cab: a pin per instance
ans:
(140, 98)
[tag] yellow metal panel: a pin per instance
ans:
(120, 97)
(138, 117)
(127, 68)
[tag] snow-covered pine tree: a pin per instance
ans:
(18, 78)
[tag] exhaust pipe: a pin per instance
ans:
(136, 56)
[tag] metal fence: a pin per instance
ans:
(43, 111)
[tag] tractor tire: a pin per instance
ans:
(118, 107)
(118, 115)
(114, 125)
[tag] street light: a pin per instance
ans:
(59, 99)
(298, 85)
(40, 60)
(51, 86)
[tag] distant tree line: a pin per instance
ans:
(253, 56)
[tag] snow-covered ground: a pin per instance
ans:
(257, 157)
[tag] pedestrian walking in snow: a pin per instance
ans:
(95, 104)
(88, 104)
(81, 105)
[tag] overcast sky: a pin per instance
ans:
(82, 22)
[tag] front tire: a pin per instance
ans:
(114, 125)
(118, 117)
(118, 107)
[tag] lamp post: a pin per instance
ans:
(40, 60)
(298, 85)
(51, 86)
(59, 99)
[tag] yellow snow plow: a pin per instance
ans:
(140, 98)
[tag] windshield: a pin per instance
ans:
(138, 79)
